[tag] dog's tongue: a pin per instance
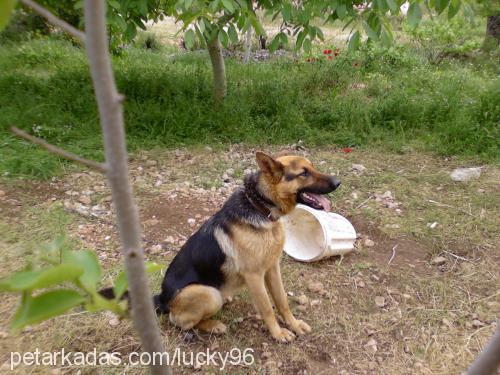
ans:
(323, 201)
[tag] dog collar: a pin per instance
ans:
(261, 207)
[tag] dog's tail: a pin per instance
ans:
(160, 307)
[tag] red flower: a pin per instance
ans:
(329, 51)
(329, 57)
(347, 150)
(325, 52)
(336, 54)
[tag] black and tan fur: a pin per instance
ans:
(240, 246)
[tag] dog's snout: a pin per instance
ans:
(334, 183)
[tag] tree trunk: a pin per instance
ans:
(492, 38)
(248, 45)
(219, 70)
(109, 102)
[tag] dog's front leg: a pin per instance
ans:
(260, 298)
(275, 286)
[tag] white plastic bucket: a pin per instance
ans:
(311, 235)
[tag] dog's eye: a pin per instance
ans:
(305, 173)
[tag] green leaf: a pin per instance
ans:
(341, 11)
(214, 6)
(386, 37)
(319, 33)
(440, 5)
(307, 45)
(354, 41)
(189, 38)
(187, 4)
(44, 306)
(453, 8)
(131, 31)
(87, 260)
(369, 31)
(6, 9)
(29, 280)
(121, 282)
(115, 4)
(256, 25)
(300, 39)
(414, 15)
(233, 34)
(121, 285)
(274, 44)
(286, 11)
(143, 7)
(393, 6)
(228, 4)
(223, 38)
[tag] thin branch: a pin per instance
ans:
(458, 256)
(54, 20)
(363, 203)
(58, 151)
(393, 253)
(109, 103)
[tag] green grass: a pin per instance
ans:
(410, 102)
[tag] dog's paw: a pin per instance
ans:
(219, 328)
(283, 335)
(300, 327)
(213, 326)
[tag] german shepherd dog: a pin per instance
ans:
(241, 246)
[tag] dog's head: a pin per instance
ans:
(292, 179)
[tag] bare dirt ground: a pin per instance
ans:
(428, 311)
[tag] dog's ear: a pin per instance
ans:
(269, 166)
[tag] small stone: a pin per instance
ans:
(170, 240)
(480, 191)
(191, 222)
(315, 287)
(371, 345)
(465, 174)
(156, 249)
(208, 148)
(302, 300)
(358, 167)
(432, 225)
(386, 195)
(83, 199)
(114, 322)
(447, 323)
(302, 307)
(266, 355)
(476, 323)
(369, 243)
(438, 261)
(151, 163)
(380, 301)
